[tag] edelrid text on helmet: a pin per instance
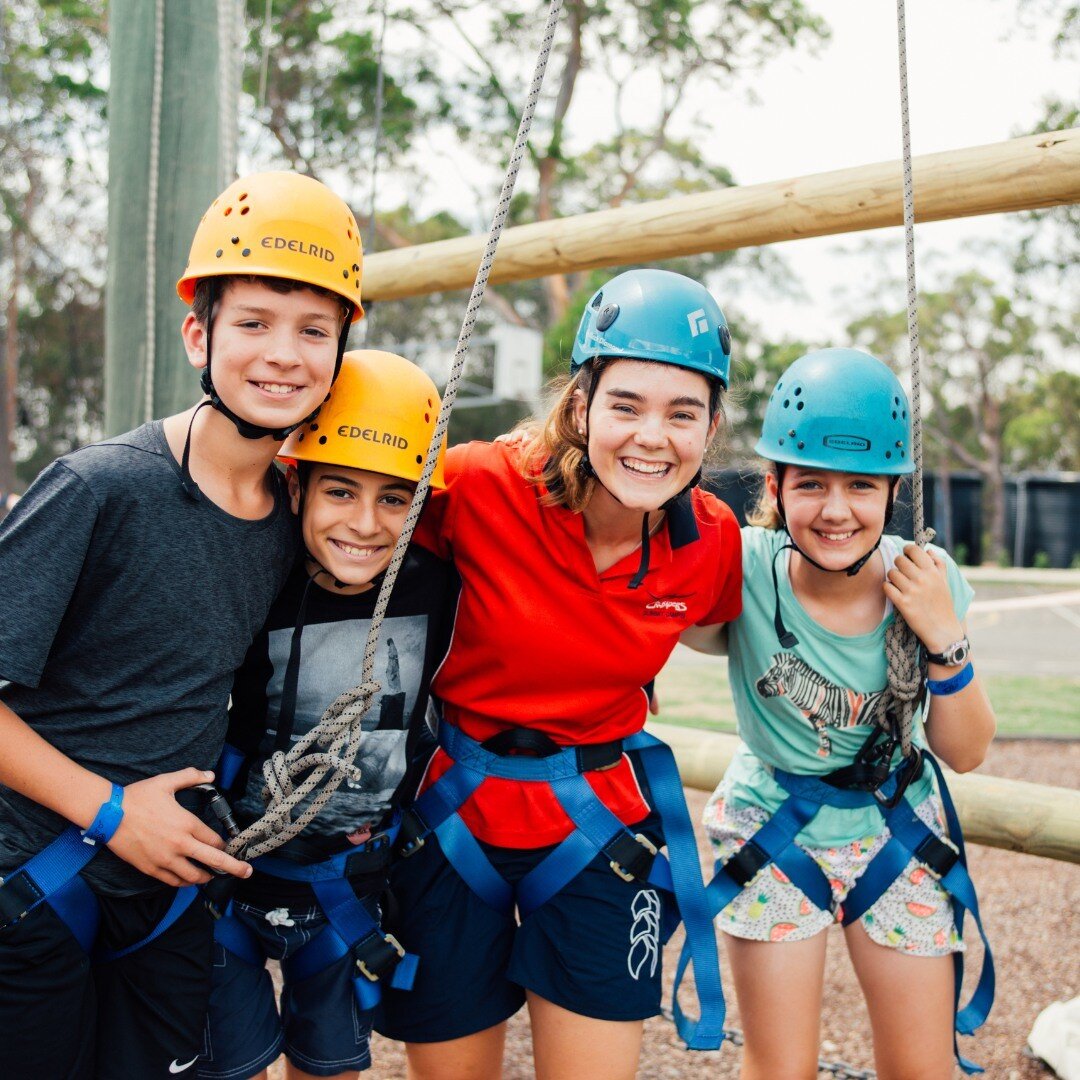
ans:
(283, 225)
(839, 409)
(380, 416)
(655, 315)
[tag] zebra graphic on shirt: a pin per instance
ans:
(823, 703)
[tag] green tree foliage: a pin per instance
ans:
(52, 134)
(1042, 423)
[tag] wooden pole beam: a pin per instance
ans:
(1034, 818)
(1031, 173)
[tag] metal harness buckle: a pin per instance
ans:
(650, 852)
(373, 976)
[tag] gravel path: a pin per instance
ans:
(1037, 959)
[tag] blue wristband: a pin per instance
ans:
(102, 829)
(953, 684)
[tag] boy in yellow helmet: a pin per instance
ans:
(136, 573)
(314, 903)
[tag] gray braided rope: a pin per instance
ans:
(152, 208)
(901, 645)
(337, 735)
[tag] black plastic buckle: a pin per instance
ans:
(938, 854)
(218, 893)
(18, 894)
(908, 770)
(372, 858)
(413, 834)
(631, 857)
(595, 757)
(378, 955)
(747, 863)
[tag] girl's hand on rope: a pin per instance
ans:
(919, 588)
(160, 838)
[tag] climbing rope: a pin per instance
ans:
(325, 756)
(151, 210)
(901, 645)
(376, 149)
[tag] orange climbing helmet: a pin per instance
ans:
(282, 225)
(380, 416)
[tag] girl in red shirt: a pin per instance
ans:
(584, 552)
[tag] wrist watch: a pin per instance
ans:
(954, 655)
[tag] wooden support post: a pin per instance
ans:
(1034, 818)
(1023, 174)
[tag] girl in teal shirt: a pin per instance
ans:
(808, 668)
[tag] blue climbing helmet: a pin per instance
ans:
(655, 315)
(839, 409)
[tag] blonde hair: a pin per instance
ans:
(555, 453)
(764, 512)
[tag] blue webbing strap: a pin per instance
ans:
(706, 1033)
(232, 934)
(228, 766)
(181, 901)
(77, 907)
(349, 925)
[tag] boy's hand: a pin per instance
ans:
(919, 588)
(160, 838)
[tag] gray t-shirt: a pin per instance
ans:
(127, 606)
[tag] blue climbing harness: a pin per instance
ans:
(944, 857)
(350, 928)
(52, 877)
(597, 831)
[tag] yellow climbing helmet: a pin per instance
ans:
(380, 416)
(282, 225)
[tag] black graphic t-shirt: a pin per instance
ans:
(397, 740)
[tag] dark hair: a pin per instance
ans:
(200, 305)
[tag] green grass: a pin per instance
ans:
(698, 695)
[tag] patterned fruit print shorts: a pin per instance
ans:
(914, 914)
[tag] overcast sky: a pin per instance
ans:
(976, 76)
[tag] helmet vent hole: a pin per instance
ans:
(345, 273)
(245, 210)
(427, 418)
(322, 440)
(219, 253)
(314, 427)
(798, 390)
(902, 454)
(236, 240)
(802, 446)
(779, 385)
(800, 404)
(780, 441)
(888, 453)
(243, 197)
(429, 403)
(348, 232)
(787, 402)
(904, 413)
(791, 433)
(300, 437)
(419, 459)
(896, 401)
(228, 210)
(894, 414)
(246, 252)
(597, 300)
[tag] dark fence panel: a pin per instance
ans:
(1042, 519)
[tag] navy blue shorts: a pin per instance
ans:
(320, 1027)
(593, 949)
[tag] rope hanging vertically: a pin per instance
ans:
(325, 756)
(151, 211)
(901, 645)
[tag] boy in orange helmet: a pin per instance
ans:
(137, 571)
(313, 903)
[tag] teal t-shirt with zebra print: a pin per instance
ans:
(808, 709)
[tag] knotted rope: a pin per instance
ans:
(901, 645)
(334, 742)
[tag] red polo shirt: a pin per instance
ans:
(542, 640)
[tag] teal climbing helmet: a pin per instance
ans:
(839, 409)
(655, 315)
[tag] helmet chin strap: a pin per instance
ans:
(786, 638)
(247, 429)
(587, 468)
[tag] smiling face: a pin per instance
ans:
(835, 517)
(351, 521)
(648, 429)
(272, 354)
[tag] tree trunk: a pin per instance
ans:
(8, 414)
